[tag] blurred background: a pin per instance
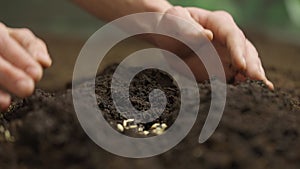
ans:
(273, 26)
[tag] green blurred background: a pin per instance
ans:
(62, 17)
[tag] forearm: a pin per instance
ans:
(109, 10)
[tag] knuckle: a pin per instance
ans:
(174, 10)
(2, 26)
(35, 71)
(28, 38)
(26, 31)
(224, 14)
(42, 43)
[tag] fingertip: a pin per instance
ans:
(48, 63)
(25, 87)
(5, 100)
(263, 76)
(270, 85)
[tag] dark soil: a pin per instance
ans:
(260, 129)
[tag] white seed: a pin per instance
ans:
(130, 120)
(133, 126)
(155, 125)
(120, 127)
(164, 126)
(140, 129)
(159, 132)
(7, 134)
(159, 128)
(146, 133)
(125, 122)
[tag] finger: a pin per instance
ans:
(267, 82)
(254, 66)
(231, 36)
(15, 80)
(11, 51)
(34, 46)
(226, 31)
(200, 16)
(4, 100)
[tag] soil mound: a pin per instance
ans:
(259, 129)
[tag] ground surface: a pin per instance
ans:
(260, 128)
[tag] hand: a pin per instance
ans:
(238, 55)
(22, 58)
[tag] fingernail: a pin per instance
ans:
(4, 102)
(34, 72)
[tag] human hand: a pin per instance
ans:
(22, 58)
(238, 55)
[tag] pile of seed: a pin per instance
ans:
(141, 85)
(155, 129)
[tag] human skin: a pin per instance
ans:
(238, 55)
(23, 56)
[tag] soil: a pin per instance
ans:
(260, 129)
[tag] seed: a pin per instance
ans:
(146, 133)
(133, 126)
(164, 126)
(120, 127)
(7, 134)
(159, 132)
(125, 122)
(155, 125)
(140, 129)
(130, 120)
